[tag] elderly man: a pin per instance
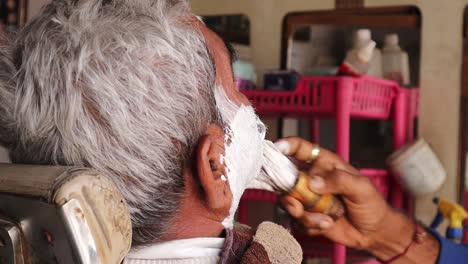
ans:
(143, 91)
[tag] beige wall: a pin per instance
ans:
(34, 6)
(4, 155)
(440, 73)
(266, 18)
(442, 42)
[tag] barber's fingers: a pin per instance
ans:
(307, 219)
(314, 224)
(296, 147)
(301, 150)
(293, 206)
(354, 187)
(316, 221)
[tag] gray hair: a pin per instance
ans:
(122, 86)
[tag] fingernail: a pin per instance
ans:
(324, 225)
(319, 220)
(316, 183)
(291, 209)
(283, 146)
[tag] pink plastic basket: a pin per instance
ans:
(369, 97)
(412, 95)
(253, 195)
(260, 196)
(343, 99)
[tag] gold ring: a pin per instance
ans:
(314, 154)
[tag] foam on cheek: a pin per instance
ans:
(243, 156)
(243, 149)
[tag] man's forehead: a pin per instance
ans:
(214, 42)
(222, 61)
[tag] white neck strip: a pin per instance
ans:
(180, 249)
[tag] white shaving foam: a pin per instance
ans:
(243, 148)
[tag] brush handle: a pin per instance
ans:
(327, 204)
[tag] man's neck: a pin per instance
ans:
(192, 226)
(194, 219)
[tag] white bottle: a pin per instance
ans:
(395, 61)
(364, 57)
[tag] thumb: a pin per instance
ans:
(353, 187)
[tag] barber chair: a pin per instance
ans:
(51, 214)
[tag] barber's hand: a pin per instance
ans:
(367, 213)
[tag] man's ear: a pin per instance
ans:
(211, 170)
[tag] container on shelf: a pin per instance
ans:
(281, 80)
(418, 168)
(245, 85)
(364, 58)
(244, 70)
(395, 61)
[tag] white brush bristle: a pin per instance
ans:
(278, 173)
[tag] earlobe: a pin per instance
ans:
(212, 172)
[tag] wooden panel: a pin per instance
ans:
(391, 17)
(406, 21)
(13, 13)
(349, 4)
(30, 180)
(465, 69)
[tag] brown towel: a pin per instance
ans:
(270, 243)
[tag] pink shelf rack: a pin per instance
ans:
(342, 99)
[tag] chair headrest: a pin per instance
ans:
(83, 202)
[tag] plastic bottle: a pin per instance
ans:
(364, 58)
(395, 61)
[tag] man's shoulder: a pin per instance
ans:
(278, 243)
(268, 243)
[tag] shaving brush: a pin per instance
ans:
(279, 174)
